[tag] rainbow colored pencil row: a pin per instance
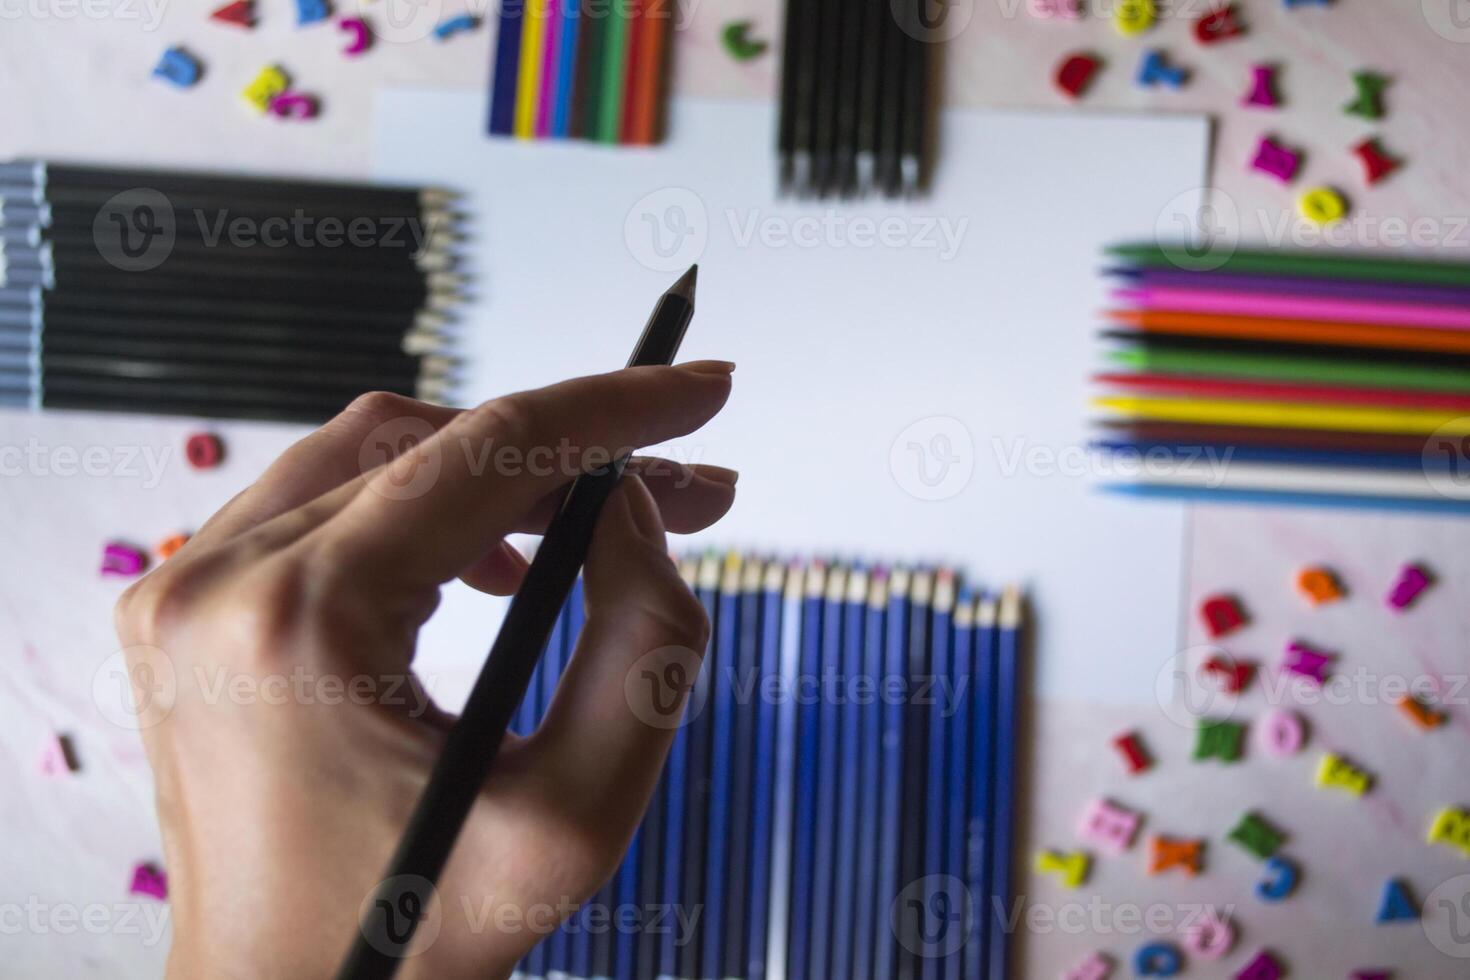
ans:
(1303, 377)
(581, 69)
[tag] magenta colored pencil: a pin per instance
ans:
(1277, 306)
(551, 68)
(1296, 285)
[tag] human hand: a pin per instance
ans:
(291, 739)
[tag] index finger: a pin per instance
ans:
(432, 512)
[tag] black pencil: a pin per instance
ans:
(870, 83)
(917, 57)
(843, 179)
(252, 339)
(472, 744)
(828, 96)
(890, 113)
(326, 312)
(792, 51)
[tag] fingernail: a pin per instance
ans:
(709, 367)
(718, 474)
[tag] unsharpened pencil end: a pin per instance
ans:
(685, 286)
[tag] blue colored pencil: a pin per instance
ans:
(1190, 452)
(915, 739)
(742, 773)
(982, 768)
(828, 753)
(672, 871)
(957, 703)
(625, 896)
(783, 831)
(890, 798)
(722, 708)
(507, 67)
(799, 931)
(772, 764)
(566, 75)
(850, 763)
(869, 789)
(1008, 693)
(581, 939)
(1407, 505)
(645, 955)
(696, 782)
(936, 777)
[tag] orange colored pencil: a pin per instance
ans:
(646, 71)
(1295, 331)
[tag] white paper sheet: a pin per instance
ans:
(910, 388)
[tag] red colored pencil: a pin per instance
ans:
(632, 67)
(653, 32)
(1287, 391)
(1293, 331)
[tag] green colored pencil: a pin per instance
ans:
(1320, 264)
(1292, 368)
(587, 114)
(614, 75)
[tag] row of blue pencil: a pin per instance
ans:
(837, 801)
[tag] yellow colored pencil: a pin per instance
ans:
(528, 88)
(1285, 415)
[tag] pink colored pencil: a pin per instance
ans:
(1275, 306)
(550, 64)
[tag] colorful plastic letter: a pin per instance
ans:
(150, 881)
(1109, 826)
(1234, 674)
(1280, 881)
(1072, 866)
(57, 757)
(1421, 714)
(1257, 836)
(1054, 9)
(1263, 88)
(311, 11)
(1376, 163)
(1336, 772)
(1075, 73)
(1319, 585)
(1095, 967)
(178, 67)
(261, 92)
(1263, 967)
(1452, 827)
(1211, 936)
(1369, 101)
(240, 13)
(1166, 853)
(1154, 70)
(1322, 206)
(1397, 905)
(294, 105)
(361, 36)
(1222, 614)
(1158, 960)
(1135, 756)
(1218, 740)
(1133, 17)
(1283, 733)
(1412, 580)
(122, 560)
(454, 25)
(1307, 661)
(1274, 159)
(1218, 26)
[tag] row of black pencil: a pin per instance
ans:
(839, 795)
(221, 296)
(856, 97)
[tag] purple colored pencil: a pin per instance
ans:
(550, 68)
(1296, 285)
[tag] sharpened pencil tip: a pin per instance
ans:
(685, 286)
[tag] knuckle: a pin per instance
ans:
(150, 607)
(510, 420)
(379, 405)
